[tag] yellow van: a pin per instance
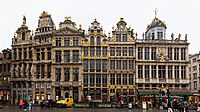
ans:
(65, 102)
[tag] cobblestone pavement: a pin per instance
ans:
(38, 109)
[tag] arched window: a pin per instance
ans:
(23, 36)
(98, 40)
(92, 40)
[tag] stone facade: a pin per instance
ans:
(5, 63)
(52, 63)
(161, 61)
(194, 77)
(22, 61)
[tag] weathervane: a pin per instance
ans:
(155, 11)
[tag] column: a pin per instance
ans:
(17, 50)
(150, 77)
(143, 53)
(179, 53)
(62, 74)
(62, 56)
(172, 53)
(167, 72)
(71, 73)
(150, 48)
(143, 73)
(157, 71)
(45, 54)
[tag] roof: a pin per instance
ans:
(156, 23)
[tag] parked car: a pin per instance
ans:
(65, 102)
(49, 103)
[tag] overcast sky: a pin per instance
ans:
(180, 16)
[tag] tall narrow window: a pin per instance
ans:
(104, 65)
(67, 41)
(85, 65)
(92, 65)
(98, 80)
(67, 74)
(48, 71)
(131, 64)
(42, 54)
(182, 53)
(112, 64)
(91, 51)
(25, 53)
(161, 71)
(98, 51)
(85, 51)
(75, 74)
(112, 79)
(146, 53)
(58, 41)
(104, 79)
(118, 51)
(124, 79)
(98, 65)
(23, 36)
(170, 72)
(146, 70)
(67, 56)
(176, 71)
(42, 71)
(130, 79)
(85, 80)
(124, 64)
(153, 53)
(169, 52)
(130, 51)
(119, 79)
(75, 41)
(75, 56)
(124, 50)
(140, 53)
(58, 74)
(92, 80)
(112, 51)
(91, 40)
(118, 37)
(176, 53)
(20, 53)
(49, 53)
(140, 71)
(118, 64)
(58, 56)
(153, 71)
(183, 72)
(124, 39)
(98, 40)
(104, 51)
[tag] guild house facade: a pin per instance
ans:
(53, 63)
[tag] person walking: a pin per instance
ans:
(169, 106)
(25, 106)
(20, 104)
(30, 105)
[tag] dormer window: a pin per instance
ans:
(23, 35)
(118, 37)
(160, 35)
(152, 35)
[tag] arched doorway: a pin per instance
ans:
(66, 95)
